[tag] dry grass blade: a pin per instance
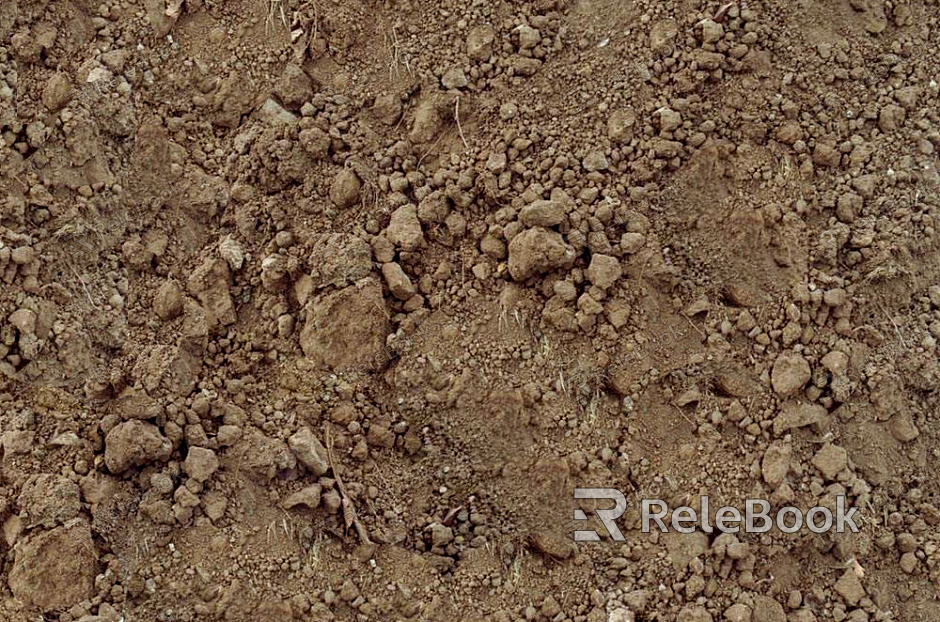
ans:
(275, 10)
(459, 128)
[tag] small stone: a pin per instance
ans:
(308, 449)
(669, 119)
(454, 78)
(398, 282)
(200, 463)
(631, 242)
(767, 609)
(480, 43)
(354, 316)
(850, 587)
(696, 613)
(528, 37)
(595, 161)
(836, 362)
(826, 155)
(228, 435)
(348, 591)
(332, 501)
(795, 414)
(663, 35)
(210, 283)
(434, 208)
(902, 427)
(23, 255)
(621, 615)
(803, 615)
(684, 547)
(185, 498)
(712, 32)
(273, 113)
(565, 290)
(790, 374)
(835, 297)
(57, 93)
(795, 599)
(604, 271)
(536, 251)
(115, 60)
(493, 247)
(232, 252)
(496, 162)
(307, 497)
(387, 109)
(344, 192)
(294, 87)
(381, 435)
(427, 122)
(776, 463)
(789, 132)
(588, 305)
(481, 271)
(404, 228)
(542, 214)
(890, 118)
(24, 320)
(135, 443)
(906, 542)
(441, 535)
(315, 142)
(552, 546)
(738, 613)
(49, 500)
(17, 441)
(274, 273)
(907, 96)
(738, 550)
(620, 125)
(508, 111)
(161, 483)
(830, 460)
(909, 563)
(168, 300)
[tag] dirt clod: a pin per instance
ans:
(134, 443)
(55, 569)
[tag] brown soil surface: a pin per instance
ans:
(321, 309)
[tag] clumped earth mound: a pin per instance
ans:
(321, 310)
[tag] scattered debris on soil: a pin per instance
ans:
(320, 310)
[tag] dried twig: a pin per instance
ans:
(685, 416)
(897, 329)
(349, 510)
(451, 515)
(436, 142)
(723, 11)
(459, 129)
(84, 286)
(275, 9)
(697, 329)
(316, 22)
